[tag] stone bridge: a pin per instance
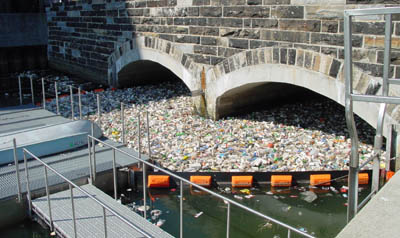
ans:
(234, 52)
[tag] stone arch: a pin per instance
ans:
(145, 48)
(315, 71)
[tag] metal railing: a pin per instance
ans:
(182, 181)
(383, 99)
(71, 186)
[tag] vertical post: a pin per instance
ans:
(72, 102)
(105, 222)
(73, 210)
(123, 123)
(228, 219)
(48, 196)
(20, 90)
(139, 142)
(144, 191)
(90, 161)
(114, 175)
(148, 134)
(94, 152)
(181, 210)
(43, 94)
(57, 103)
(33, 96)
(28, 189)
(17, 170)
(80, 103)
(98, 109)
(289, 233)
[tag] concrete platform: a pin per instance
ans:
(89, 216)
(380, 216)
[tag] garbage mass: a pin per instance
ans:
(303, 136)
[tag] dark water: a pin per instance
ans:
(27, 229)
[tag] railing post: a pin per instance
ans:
(148, 134)
(28, 189)
(181, 210)
(57, 103)
(98, 109)
(72, 102)
(90, 161)
(105, 222)
(139, 141)
(144, 190)
(114, 175)
(288, 233)
(123, 123)
(43, 94)
(228, 219)
(73, 210)
(20, 90)
(94, 153)
(48, 196)
(33, 95)
(80, 103)
(17, 170)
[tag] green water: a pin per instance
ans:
(324, 217)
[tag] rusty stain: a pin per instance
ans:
(203, 79)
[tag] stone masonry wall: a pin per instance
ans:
(83, 34)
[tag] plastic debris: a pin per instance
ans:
(198, 214)
(238, 197)
(308, 196)
(269, 193)
(245, 191)
(155, 214)
(141, 208)
(249, 196)
(160, 222)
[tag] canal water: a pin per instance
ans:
(324, 217)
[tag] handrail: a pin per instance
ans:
(80, 189)
(230, 201)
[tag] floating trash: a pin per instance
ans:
(198, 214)
(308, 196)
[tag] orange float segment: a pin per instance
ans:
(158, 181)
(242, 181)
(201, 180)
(320, 179)
(389, 175)
(363, 178)
(281, 180)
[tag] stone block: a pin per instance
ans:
(287, 12)
(289, 36)
(227, 2)
(276, 2)
(291, 56)
(261, 56)
(211, 11)
(308, 57)
(264, 23)
(394, 57)
(331, 51)
(232, 22)
(207, 50)
(215, 60)
(225, 63)
(300, 25)
(210, 31)
(334, 39)
(246, 11)
(300, 58)
(201, 2)
(316, 62)
(330, 26)
(324, 12)
(254, 2)
(249, 58)
(239, 43)
(268, 52)
(231, 64)
(275, 55)
(208, 41)
(283, 56)
(187, 39)
(260, 44)
(335, 67)
(227, 52)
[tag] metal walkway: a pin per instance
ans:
(89, 215)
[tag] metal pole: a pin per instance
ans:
(94, 153)
(46, 179)
(228, 220)
(90, 161)
(181, 210)
(73, 210)
(43, 94)
(57, 103)
(98, 108)
(28, 189)
(105, 222)
(17, 170)
(148, 134)
(72, 102)
(139, 142)
(288, 233)
(144, 190)
(123, 123)
(33, 96)
(80, 103)
(20, 90)
(114, 175)
(354, 159)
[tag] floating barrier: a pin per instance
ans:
(242, 181)
(363, 178)
(158, 181)
(201, 180)
(320, 179)
(389, 175)
(281, 180)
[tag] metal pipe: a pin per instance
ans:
(80, 103)
(144, 190)
(181, 210)
(94, 153)
(98, 108)
(73, 210)
(20, 90)
(33, 96)
(114, 175)
(228, 219)
(43, 94)
(90, 196)
(366, 199)
(139, 137)
(57, 103)
(148, 134)
(90, 161)
(288, 233)
(123, 123)
(46, 179)
(105, 222)
(28, 189)
(17, 170)
(72, 102)
(204, 189)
